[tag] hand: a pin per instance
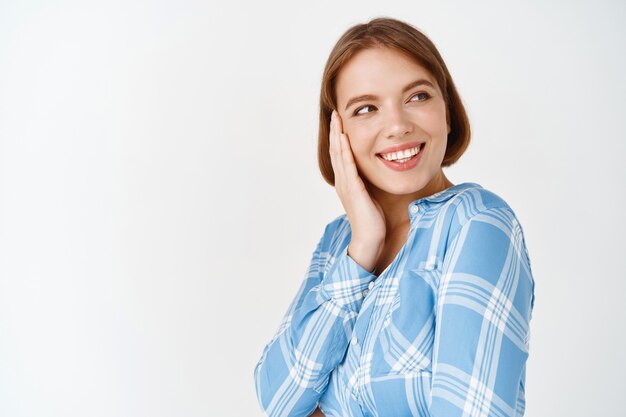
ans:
(366, 216)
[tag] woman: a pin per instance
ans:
(417, 300)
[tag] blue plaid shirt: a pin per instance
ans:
(443, 331)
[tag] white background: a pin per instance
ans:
(160, 197)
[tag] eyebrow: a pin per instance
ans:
(368, 97)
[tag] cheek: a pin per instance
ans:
(435, 121)
(360, 139)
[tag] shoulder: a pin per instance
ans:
(475, 204)
(475, 198)
(475, 201)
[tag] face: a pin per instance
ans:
(394, 116)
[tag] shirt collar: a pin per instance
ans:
(442, 196)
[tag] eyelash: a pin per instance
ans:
(356, 112)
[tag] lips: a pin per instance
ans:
(402, 164)
(401, 156)
(398, 148)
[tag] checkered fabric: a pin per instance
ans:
(443, 331)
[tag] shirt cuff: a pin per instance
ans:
(346, 281)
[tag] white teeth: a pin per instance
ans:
(401, 156)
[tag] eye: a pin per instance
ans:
(358, 111)
(426, 96)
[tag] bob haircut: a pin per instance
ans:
(403, 38)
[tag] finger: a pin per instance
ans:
(332, 146)
(339, 122)
(331, 143)
(335, 149)
(346, 150)
(342, 142)
(349, 164)
(345, 156)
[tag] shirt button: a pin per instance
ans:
(370, 285)
(365, 292)
(414, 209)
(353, 340)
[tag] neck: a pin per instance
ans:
(395, 206)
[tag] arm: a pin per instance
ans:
(484, 306)
(312, 340)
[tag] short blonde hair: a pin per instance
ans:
(404, 38)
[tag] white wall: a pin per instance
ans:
(160, 199)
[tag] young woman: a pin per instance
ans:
(418, 299)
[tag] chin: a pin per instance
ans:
(402, 189)
(405, 191)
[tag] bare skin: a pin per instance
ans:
(383, 226)
(379, 225)
(366, 216)
(374, 197)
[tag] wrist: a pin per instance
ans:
(365, 255)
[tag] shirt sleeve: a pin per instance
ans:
(484, 306)
(313, 337)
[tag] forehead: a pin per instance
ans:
(378, 71)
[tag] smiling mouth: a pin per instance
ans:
(402, 157)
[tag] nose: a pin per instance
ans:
(397, 123)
